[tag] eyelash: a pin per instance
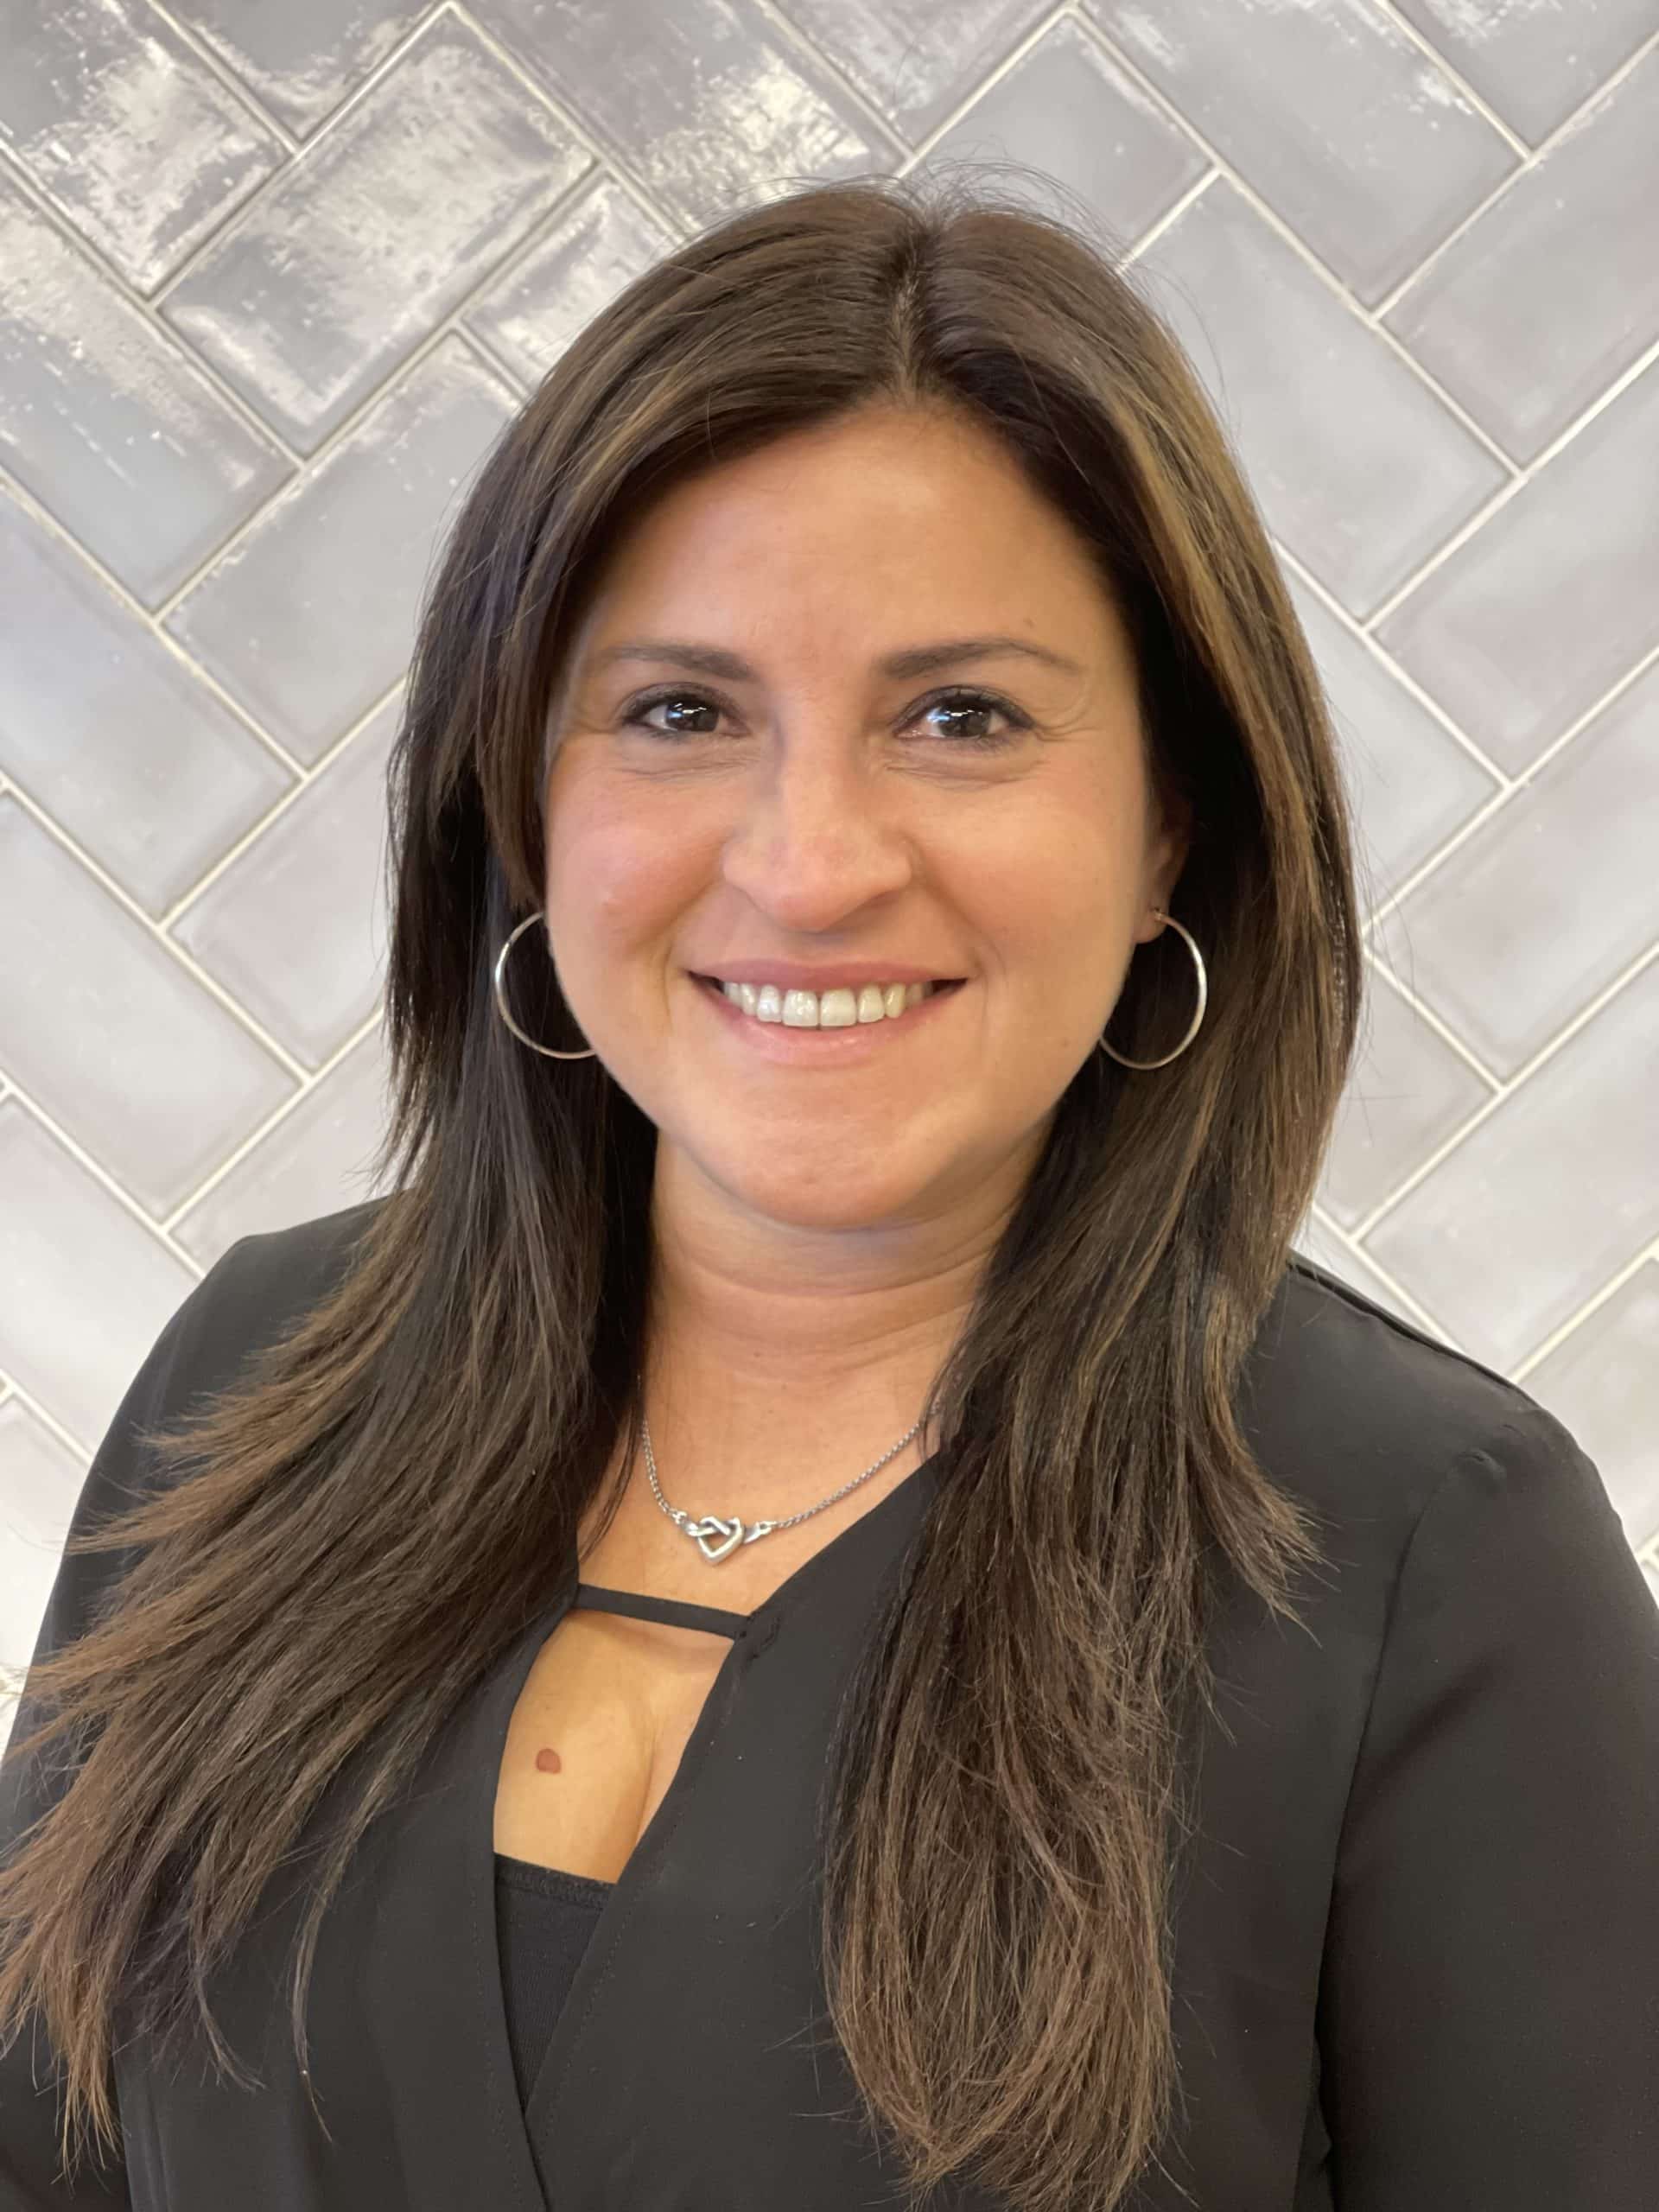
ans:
(958, 695)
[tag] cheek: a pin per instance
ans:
(614, 878)
(1048, 893)
(1054, 905)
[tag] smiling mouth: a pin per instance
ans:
(848, 1008)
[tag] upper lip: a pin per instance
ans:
(824, 976)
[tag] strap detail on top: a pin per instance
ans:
(677, 1612)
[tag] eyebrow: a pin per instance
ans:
(909, 661)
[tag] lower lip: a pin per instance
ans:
(831, 1048)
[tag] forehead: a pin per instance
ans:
(854, 544)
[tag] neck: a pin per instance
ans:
(779, 1354)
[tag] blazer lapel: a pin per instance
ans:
(432, 1980)
(694, 2044)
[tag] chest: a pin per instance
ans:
(596, 1735)
(613, 1697)
(694, 2063)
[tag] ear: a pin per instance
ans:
(1172, 846)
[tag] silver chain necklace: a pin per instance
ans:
(733, 1529)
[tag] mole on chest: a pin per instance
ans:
(548, 1760)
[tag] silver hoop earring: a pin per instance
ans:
(501, 999)
(589, 1053)
(1198, 1012)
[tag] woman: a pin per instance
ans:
(531, 1736)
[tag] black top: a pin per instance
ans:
(1414, 1956)
(545, 1916)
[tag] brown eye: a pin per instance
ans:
(959, 709)
(635, 717)
(972, 706)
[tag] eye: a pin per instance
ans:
(976, 704)
(638, 709)
(957, 702)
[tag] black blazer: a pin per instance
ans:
(1417, 1966)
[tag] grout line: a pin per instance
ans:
(1383, 974)
(1170, 216)
(1611, 83)
(1391, 300)
(1610, 1289)
(272, 1121)
(1379, 653)
(101, 1174)
(198, 669)
(1632, 675)
(342, 432)
(769, 11)
(10, 1388)
(508, 371)
(1305, 253)
(1468, 528)
(164, 1233)
(195, 43)
(1449, 69)
(1517, 473)
(454, 323)
(166, 1230)
(101, 255)
(1408, 1302)
(1509, 786)
(129, 296)
(1612, 390)
(455, 320)
(256, 831)
(1614, 78)
(284, 1060)
(1508, 1085)
(574, 129)
(1031, 37)
(331, 122)
(1580, 113)
(1535, 155)
(161, 927)
(1517, 1374)
(571, 121)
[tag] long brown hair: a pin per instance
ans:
(369, 1516)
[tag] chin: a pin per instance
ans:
(819, 1194)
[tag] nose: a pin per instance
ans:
(816, 836)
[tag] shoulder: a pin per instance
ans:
(1350, 1407)
(267, 1281)
(250, 1295)
(1352, 1410)
(1365, 1417)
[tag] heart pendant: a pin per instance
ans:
(711, 1524)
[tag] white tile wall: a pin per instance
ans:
(275, 278)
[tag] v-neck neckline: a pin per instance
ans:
(757, 1629)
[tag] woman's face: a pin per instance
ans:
(749, 779)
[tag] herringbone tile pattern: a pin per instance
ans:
(274, 279)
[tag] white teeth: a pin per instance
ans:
(835, 1009)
